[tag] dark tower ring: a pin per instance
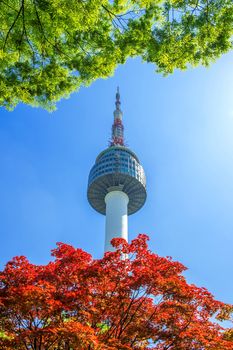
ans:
(117, 168)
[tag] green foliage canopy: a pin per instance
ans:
(49, 48)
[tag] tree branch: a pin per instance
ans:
(12, 26)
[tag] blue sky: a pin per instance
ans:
(181, 128)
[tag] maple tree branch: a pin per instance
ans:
(122, 328)
(43, 32)
(180, 331)
(126, 313)
(115, 326)
(24, 29)
(4, 3)
(113, 15)
(12, 26)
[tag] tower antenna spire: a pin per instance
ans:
(117, 127)
(118, 96)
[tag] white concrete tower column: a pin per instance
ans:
(116, 217)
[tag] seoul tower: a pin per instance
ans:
(117, 182)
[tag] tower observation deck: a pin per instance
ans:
(117, 182)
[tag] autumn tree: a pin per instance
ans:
(138, 302)
(49, 48)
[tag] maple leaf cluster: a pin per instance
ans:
(51, 48)
(130, 299)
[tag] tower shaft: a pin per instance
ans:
(116, 217)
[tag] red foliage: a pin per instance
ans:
(129, 299)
